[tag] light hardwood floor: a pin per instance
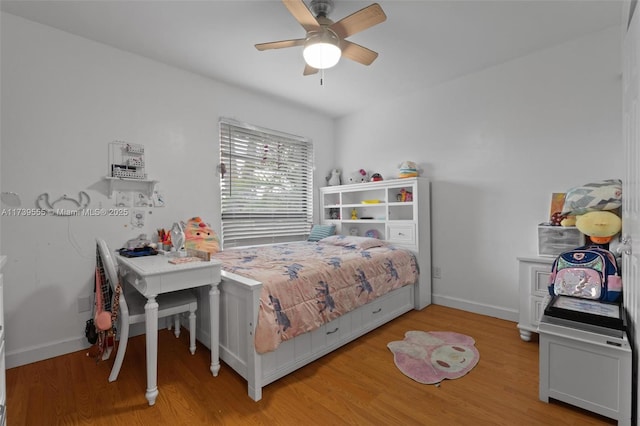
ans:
(355, 385)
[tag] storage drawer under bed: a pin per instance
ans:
(338, 332)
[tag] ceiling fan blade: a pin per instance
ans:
(302, 14)
(309, 70)
(358, 53)
(359, 21)
(280, 44)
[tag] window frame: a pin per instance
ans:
(266, 185)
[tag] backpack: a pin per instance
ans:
(586, 272)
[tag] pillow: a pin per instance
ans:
(603, 195)
(319, 232)
(362, 243)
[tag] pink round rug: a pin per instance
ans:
(430, 357)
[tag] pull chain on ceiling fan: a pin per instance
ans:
(325, 42)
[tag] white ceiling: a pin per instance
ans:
(421, 44)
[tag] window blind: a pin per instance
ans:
(267, 187)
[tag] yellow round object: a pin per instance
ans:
(599, 224)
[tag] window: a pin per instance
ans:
(267, 185)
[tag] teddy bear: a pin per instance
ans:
(359, 176)
(334, 178)
(376, 177)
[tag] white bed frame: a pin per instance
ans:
(239, 301)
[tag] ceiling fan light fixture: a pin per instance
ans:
(322, 49)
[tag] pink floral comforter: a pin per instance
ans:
(307, 284)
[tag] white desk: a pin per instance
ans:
(153, 275)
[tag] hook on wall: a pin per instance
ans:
(222, 169)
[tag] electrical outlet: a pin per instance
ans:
(84, 304)
(437, 272)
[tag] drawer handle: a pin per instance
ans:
(401, 234)
(331, 332)
(377, 311)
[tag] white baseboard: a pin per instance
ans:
(42, 352)
(63, 347)
(204, 337)
(475, 307)
(53, 349)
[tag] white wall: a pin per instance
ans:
(496, 144)
(64, 98)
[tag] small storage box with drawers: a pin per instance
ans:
(553, 240)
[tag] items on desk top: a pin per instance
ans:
(138, 252)
(139, 246)
(164, 239)
(177, 236)
(181, 260)
(140, 241)
(197, 234)
(203, 255)
(200, 236)
(192, 241)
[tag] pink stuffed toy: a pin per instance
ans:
(200, 236)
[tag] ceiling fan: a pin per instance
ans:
(325, 41)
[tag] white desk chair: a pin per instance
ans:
(131, 310)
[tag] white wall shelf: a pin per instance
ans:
(122, 184)
(126, 160)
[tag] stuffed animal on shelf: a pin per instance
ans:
(376, 177)
(200, 236)
(568, 221)
(600, 226)
(334, 178)
(593, 208)
(557, 218)
(359, 176)
(408, 169)
(404, 195)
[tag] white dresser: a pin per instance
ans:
(533, 281)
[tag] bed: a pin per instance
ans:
(283, 306)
